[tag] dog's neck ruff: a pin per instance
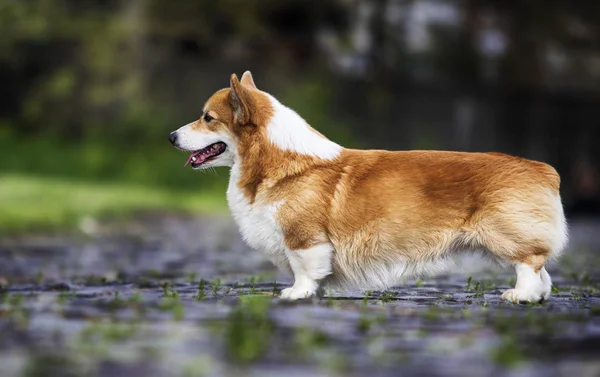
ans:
(289, 132)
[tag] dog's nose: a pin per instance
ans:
(173, 137)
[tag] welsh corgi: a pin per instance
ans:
(367, 219)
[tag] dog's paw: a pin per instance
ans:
(296, 293)
(521, 296)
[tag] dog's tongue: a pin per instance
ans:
(189, 160)
(200, 156)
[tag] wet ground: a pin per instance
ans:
(165, 295)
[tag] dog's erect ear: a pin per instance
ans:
(239, 99)
(247, 80)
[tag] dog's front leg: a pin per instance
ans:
(309, 266)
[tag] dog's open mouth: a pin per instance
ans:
(206, 154)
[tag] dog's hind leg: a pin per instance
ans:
(526, 230)
(533, 282)
(528, 251)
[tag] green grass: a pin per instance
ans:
(50, 181)
(36, 202)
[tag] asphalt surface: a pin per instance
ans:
(167, 295)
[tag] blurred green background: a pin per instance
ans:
(91, 88)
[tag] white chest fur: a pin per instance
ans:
(257, 222)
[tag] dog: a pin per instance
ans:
(367, 219)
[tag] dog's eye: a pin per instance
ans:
(208, 118)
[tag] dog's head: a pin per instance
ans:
(229, 115)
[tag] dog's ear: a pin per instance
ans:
(247, 80)
(239, 99)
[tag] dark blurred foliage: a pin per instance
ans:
(520, 77)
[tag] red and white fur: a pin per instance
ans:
(369, 218)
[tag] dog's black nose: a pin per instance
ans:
(173, 137)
